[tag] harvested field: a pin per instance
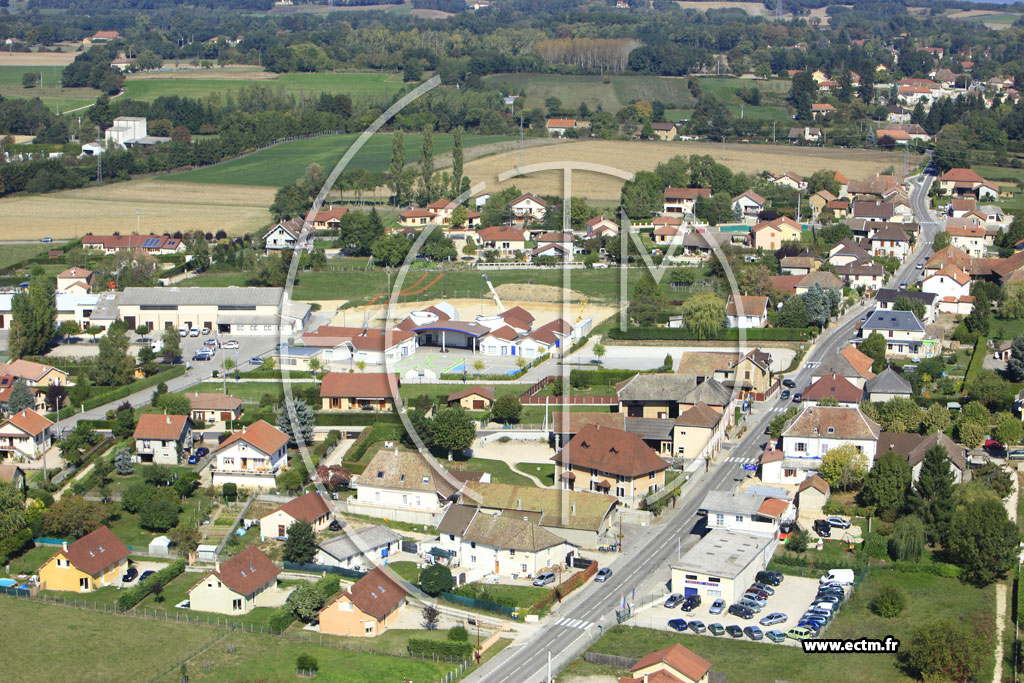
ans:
(36, 58)
(468, 309)
(637, 156)
(246, 72)
(430, 14)
(183, 206)
(522, 292)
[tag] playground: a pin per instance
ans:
(433, 360)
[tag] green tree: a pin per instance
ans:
(995, 478)
(296, 419)
(427, 167)
(989, 388)
(68, 329)
(124, 423)
(778, 422)
(942, 240)
(886, 485)
(300, 546)
(977, 413)
(874, 347)
(936, 419)
(507, 408)
(947, 650)
(306, 601)
(798, 541)
(123, 462)
(390, 250)
(136, 496)
(889, 602)
(171, 345)
(21, 397)
(161, 512)
(646, 301)
(74, 517)
(33, 317)
(1008, 429)
(436, 579)
(932, 497)
(971, 434)
(396, 179)
(704, 314)
(114, 366)
(176, 403)
(844, 467)
(452, 429)
(457, 163)
(12, 510)
(907, 541)
(915, 306)
(599, 350)
(185, 538)
(794, 313)
(983, 541)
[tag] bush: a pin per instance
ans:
(230, 492)
(306, 662)
(436, 579)
(132, 596)
(458, 634)
(798, 541)
(440, 648)
(40, 494)
(13, 545)
(889, 602)
(728, 334)
(875, 545)
(281, 619)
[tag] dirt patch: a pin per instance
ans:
(103, 210)
(754, 9)
(967, 14)
(632, 156)
(34, 58)
(523, 292)
(543, 311)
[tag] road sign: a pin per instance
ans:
(750, 468)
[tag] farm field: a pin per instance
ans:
(991, 18)
(58, 59)
(284, 163)
(198, 84)
(103, 210)
(635, 156)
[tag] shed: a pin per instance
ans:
(207, 553)
(161, 545)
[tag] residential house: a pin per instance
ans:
(873, 188)
(801, 264)
(36, 374)
(555, 249)
(698, 432)
(506, 240)
(844, 184)
(959, 207)
(529, 206)
(680, 201)
(749, 204)
(78, 280)
(833, 386)
(284, 235)
(358, 391)
(610, 461)
(903, 332)
(213, 407)
(403, 485)
(600, 226)
(162, 439)
(748, 373)
(850, 363)
(885, 300)
(369, 608)
(867, 274)
(804, 134)
(236, 586)
(562, 239)
(13, 475)
(819, 200)
(819, 277)
(251, 458)
(415, 218)
(666, 396)
(104, 36)
(771, 234)
(913, 446)
(95, 560)
(970, 240)
(789, 179)
(747, 512)
(952, 289)
(887, 385)
(898, 114)
(746, 311)
(873, 211)
(813, 433)
(890, 242)
(158, 245)
(665, 131)
(846, 252)
(359, 549)
(966, 182)
(25, 435)
(822, 109)
(558, 127)
(329, 218)
(474, 398)
(811, 496)
(673, 664)
(840, 208)
(667, 236)
(309, 507)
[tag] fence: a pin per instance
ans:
(231, 531)
(477, 604)
(610, 660)
(573, 400)
(320, 568)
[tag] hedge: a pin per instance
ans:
(118, 393)
(440, 648)
(376, 433)
(566, 587)
(133, 596)
(281, 619)
(730, 334)
(356, 419)
(977, 361)
(264, 373)
(13, 545)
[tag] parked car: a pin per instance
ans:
(993, 445)
(758, 593)
(231, 344)
(673, 600)
(697, 626)
(335, 525)
(798, 633)
(194, 332)
(763, 587)
(752, 605)
(718, 606)
(772, 619)
(544, 579)
(789, 383)
(193, 459)
(130, 575)
(255, 360)
(754, 633)
(201, 355)
(603, 574)
(734, 631)
(788, 527)
(741, 611)
(798, 397)
(822, 528)
(838, 522)
(754, 598)
(770, 578)
(677, 624)
(47, 240)
(146, 574)
(775, 636)
(690, 602)
(785, 394)
(716, 629)
(206, 330)
(202, 451)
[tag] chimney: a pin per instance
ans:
(216, 566)
(243, 429)
(168, 418)
(64, 546)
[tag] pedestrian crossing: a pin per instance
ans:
(741, 461)
(574, 623)
(780, 409)
(813, 364)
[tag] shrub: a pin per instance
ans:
(458, 634)
(889, 602)
(133, 596)
(40, 494)
(798, 540)
(874, 545)
(436, 579)
(230, 492)
(440, 648)
(306, 662)
(281, 619)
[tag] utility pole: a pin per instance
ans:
(522, 142)
(138, 220)
(773, 131)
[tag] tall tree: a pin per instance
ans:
(844, 467)
(457, 162)
(932, 497)
(300, 546)
(170, 343)
(874, 347)
(21, 396)
(886, 485)
(983, 541)
(794, 313)
(114, 365)
(301, 425)
(452, 429)
(395, 170)
(33, 317)
(12, 510)
(704, 315)
(427, 166)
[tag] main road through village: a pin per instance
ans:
(642, 567)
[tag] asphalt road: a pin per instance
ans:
(580, 622)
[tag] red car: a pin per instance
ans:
(993, 445)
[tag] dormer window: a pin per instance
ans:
(426, 479)
(831, 430)
(380, 474)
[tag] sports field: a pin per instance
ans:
(632, 156)
(284, 163)
(200, 83)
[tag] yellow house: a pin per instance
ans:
(247, 580)
(367, 609)
(819, 200)
(771, 234)
(695, 429)
(93, 561)
(674, 663)
(473, 398)
(356, 391)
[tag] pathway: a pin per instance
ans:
(84, 472)
(1001, 589)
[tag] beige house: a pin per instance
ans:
(247, 580)
(13, 475)
(970, 240)
(674, 664)
(416, 218)
(161, 439)
(397, 482)
(357, 391)
(529, 205)
(680, 201)
(771, 234)
(750, 373)
(26, 435)
(251, 458)
(368, 608)
(661, 395)
(473, 398)
(310, 508)
(78, 280)
(698, 432)
(36, 374)
(819, 200)
(214, 407)
(665, 131)
(506, 240)
(811, 496)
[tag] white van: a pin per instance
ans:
(157, 345)
(840, 576)
(183, 331)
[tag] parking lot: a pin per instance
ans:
(248, 347)
(792, 597)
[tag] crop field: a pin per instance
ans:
(991, 18)
(58, 59)
(635, 156)
(284, 163)
(198, 84)
(103, 210)
(622, 90)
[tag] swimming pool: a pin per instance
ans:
(8, 583)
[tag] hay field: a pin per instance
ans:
(36, 58)
(637, 156)
(754, 9)
(165, 208)
(468, 309)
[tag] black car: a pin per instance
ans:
(130, 575)
(741, 611)
(823, 528)
(785, 394)
(734, 631)
(789, 527)
(770, 578)
(690, 602)
(789, 383)
(335, 525)
(798, 397)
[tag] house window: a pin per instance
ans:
(472, 559)
(511, 552)
(451, 537)
(369, 627)
(719, 519)
(524, 568)
(789, 473)
(229, 461)
(651, 475)
(739, 518)
(83, 583)
(801, 446)
(236, 603)
(62, 564)
(691, 577)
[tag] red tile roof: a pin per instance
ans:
(814, 481)
(961, 175)
(96, 551)
(307, 507)
(356, 385)
(377, 593)
(29, 421)
(261, 434)
(773, 507)
(485, 392)
(682, 659)
(833, 386)
(213, 401)
(687, 192)
(501, 233)
(752, 305)
(160, 427)
(247, 571)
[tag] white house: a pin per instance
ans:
(161, 439)
(284, 235)
(251, 458)
(745, 511)
(361, 549)
(680, 201)
(951, 287)
(890, 241)
(310, 508)
(746, 311)
(403, 485)
(26, 435)
(903, 332)
(529, 205)
(969, 239)
(813, 433)
(749, 204)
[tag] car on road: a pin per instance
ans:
(776, 636)
(146, 574)
(798, 397)
(993, 445)
(754, 633)
(798, 633)
(697, 626)
(690, 602)
(230, 344)
(741, 611)
(770, 578)
(194, 332)
(785, 394)
(130, 575)
(903, 285)
(673, 600)
(718, 606)
(716, 629)
(734, 631)
(822, 528)
(603, 574)
(202, 355)
(47, 240)
(772, 619)
(789, 383)
(544, 579)
(255, 360)
(838, 522)
(919, 266)
(677, 624)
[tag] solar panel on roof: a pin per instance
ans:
(150, 242)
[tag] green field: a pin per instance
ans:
(623, 89)
(285, 163)
(148, 89)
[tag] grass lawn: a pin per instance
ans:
(104, 597)
(407, 570)
(284, 163)
(249, 391)
(148, 89)
(102, 647)
(127, 528)
(500, 472)
(535, 414)
(177, 590)
(391, 641)
(546, 473)
(15, 253)
(746, 661)
(524, 596)
(29, 561)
